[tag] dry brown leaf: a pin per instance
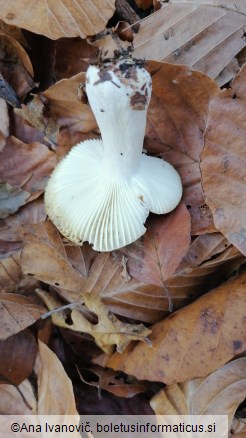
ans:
(15, 65)
(57, 20)
(11, 198)
(224, 162)
(213, 327)
(44, 256)
(37, 114)
(4, 123)
(17, 312)
(236, 5)
(237, 429)
(27, 166)
(218, 394)
(65, 103)
(122, 295)
(114, 382)
(107, 332)
(14, 32)
(11, 227)
(55, 393)
(155, 257)
(210, 260)
(79, 54)
(17, 357)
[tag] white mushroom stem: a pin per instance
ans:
(103, 190)
(120, 107)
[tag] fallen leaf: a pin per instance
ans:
(15, 64)
(44, 256)
(176, 122)
(108, 277)
(218, 394)
(64, 102)
(114, 383)
(79, 55)
(37, 114)
(4, 123)
(17, 357)
(212, 326)
(237, 429)
(224, 162)
(209, 260)
(54, 390)
(27, 166)
(107, 332)
(12, 198)
(77, 18)
(155, 257)
(204, 35)
(17, 312)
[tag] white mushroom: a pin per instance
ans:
(103, 190)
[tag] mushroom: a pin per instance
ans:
(103, 190)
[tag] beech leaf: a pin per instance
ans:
(213, 326)
(218, 394)
(57, 20)
(224, 162)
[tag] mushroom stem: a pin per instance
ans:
(119, 103)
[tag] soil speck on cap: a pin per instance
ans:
(138, 101)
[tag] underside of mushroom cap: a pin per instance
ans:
(87, 205)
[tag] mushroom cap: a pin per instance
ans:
(85, 204)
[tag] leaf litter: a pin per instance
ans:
(145, 309)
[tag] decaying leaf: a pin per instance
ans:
(176, 122)
(11, 199)
(213, 326)
(26, 165)
(114, 382)
(218, 394)
(15, 65)
(210, 260)
(17, 312)
(155, 257)
(38, 116)
(17, 357)
(107, 332)
(44, 256)
(54, 390)
(57, 20)
(64, 102)
(224, 162)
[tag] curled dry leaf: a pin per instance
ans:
(17, 312)
(213, 327)
(17, 357)
(64, 102)
(114, 382)
(108, 331)
(26, 166)
(57, 20)
(218, 394)
(224, 162)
